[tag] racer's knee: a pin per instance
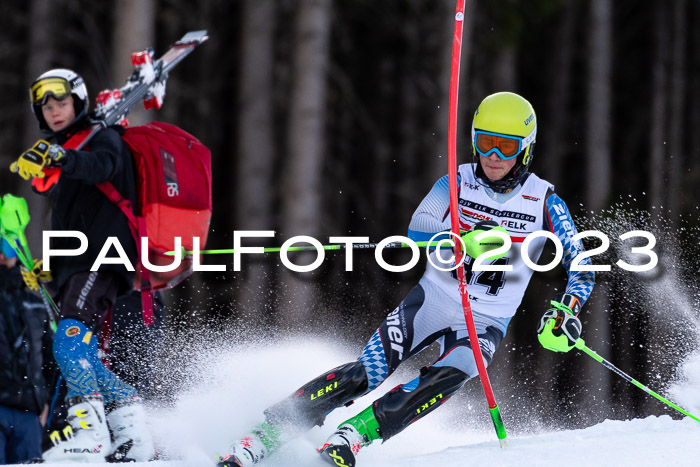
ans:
(460, 355)
(461, 358)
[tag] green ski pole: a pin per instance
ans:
(355, 246)
(581, 345)
(50, 306)
(14, 217)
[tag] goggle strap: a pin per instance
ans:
(530, 138)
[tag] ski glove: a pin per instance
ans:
(32, 162)
(559, 328)
(56, 155)
(36, 275)
(476, 248)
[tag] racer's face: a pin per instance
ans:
(58, 114)
(496, 168)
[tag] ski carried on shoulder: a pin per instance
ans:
(146, 83)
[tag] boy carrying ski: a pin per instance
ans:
(98, 401)
(498, 189)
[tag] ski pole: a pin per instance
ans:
(454, 218)
(51, 308)
(340, 246)
(581, 345)
(14, 217)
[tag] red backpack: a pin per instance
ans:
(173, 180)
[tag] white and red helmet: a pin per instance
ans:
(59, 83)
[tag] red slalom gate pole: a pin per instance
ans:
(454, 218)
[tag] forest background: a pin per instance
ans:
(329, 118)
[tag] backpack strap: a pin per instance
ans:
(137, 225)
(75, 141)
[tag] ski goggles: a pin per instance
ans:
(7, 249)
(40, 91)
(505, 146)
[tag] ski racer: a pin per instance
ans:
(496, 191)
(97, 400)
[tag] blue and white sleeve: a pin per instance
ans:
(580, 283)
(430, 215)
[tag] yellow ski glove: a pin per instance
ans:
(36, 275)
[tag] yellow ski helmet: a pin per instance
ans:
(504, 124)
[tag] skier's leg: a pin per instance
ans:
(457, 351)
(86, 436)
(70, 349)
(392, 412)
(406, 331)
(309, 404)
(419, 320)
(391, 344)
(409, 402)
(85, 300)
(126, 418)
(113, 389)
(300, 411)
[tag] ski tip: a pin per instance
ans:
(193, 37)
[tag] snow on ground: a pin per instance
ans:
(226, 392)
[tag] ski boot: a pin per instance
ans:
(342, 446)
(252, 448)
(86, 437)
(132, 439)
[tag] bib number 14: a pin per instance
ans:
(493, 279)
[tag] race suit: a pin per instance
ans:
(433, 310)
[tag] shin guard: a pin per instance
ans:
(407, 403)
(309, 405)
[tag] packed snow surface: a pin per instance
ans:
(223, 393)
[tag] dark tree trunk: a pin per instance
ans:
(256, 151)
(38, 61)
(302, 193)
(134, 31)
